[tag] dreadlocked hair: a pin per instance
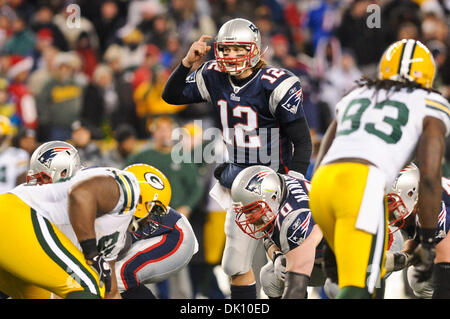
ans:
(389, 85)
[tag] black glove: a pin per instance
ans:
(423, 256)
(94, 259)
(103, 269)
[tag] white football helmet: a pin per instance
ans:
(53, 161)
(238, 32)
(402, 198)
(257, 193)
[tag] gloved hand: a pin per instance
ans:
(279, 265)
(96, 260)
(103, 269)
(423, 260)
(424, 254)
(396, 261)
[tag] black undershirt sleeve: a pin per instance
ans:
(299, 134)
(173, 90)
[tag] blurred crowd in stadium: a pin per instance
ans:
(96, 79)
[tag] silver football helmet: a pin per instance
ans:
(53, 161)
(238, 32)
(402, 198)
(257, 193)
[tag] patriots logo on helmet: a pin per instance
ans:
(254, 185)
(293, 101)
(253, 28)
(47, 157)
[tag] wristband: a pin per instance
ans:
(427, 235)
(89, 248)
(275, 255)
(267, 243)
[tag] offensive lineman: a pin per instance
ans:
(379, 126)
(275, 207)
(263, 123)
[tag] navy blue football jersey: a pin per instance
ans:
(157, 226)
(444, 214)
(253, 114)
(294, 221)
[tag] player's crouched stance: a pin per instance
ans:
(67, 234)
(162, 242)
(276, 207)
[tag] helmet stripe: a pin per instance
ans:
(401, 58)
(405, 61)
(412, 58)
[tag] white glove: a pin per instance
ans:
(396, 261)
(279, 265)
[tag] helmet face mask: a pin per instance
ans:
(402, 199)
(255, 219)
(257, 193)
(238, 64)
(241, 33)
(155, 194)
(52, 162)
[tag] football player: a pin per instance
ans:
(159, 244)
(262, 120)
(69, 233)
(52, 162)
(379, 126)
(276, 207)
(13, 160)
(403, 209)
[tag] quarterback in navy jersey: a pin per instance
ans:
(276, 207)
(260, 107)
(262, 121)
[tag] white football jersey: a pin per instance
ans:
(383, 127)
(51, 202)
(13, 162)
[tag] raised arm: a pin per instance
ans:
(173, 90)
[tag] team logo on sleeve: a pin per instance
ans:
(191, 77)
(292, 103)
(47, 157)
(300, 229)
(254, 185)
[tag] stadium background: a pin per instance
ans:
(93, 74)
